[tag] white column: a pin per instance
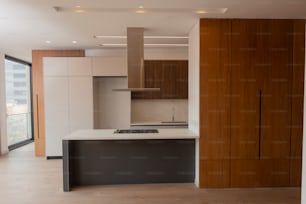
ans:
(194, 89)
(3, 127)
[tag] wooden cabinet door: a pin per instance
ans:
(276, 94)
(215, 173)
(245, 173)
(260, 173)
(153, 73)
(215, 89)
(275, 172)
(181, 83)
(168, 79)
(246, 81)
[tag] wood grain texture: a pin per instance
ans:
(298, 69)
(276, 100)
(215, 173)
(246, 81)
(260, 173)
(296, 172)
(214, 89)
(37, 90)
(171, 76)
(181, 83)
(262, 63)
(245, 173)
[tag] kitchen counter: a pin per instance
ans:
(108, 134)
(101, 157)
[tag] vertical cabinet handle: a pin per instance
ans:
(259, 124)
(37, 116)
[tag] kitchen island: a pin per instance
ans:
(100, 156)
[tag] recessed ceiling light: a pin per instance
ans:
(48, 41)
(74, 42)
(140, 11)
(210, 10)
(200, 11)
(79, 11)
(141, 7)
(77, 6)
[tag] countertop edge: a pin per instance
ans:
(108, 134)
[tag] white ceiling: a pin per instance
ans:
(27, 24)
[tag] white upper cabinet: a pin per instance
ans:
(79, 66)
(109, 66)
(55, 66)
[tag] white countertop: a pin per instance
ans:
(108, 134)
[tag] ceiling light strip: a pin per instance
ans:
(146, 44)
(146, 37)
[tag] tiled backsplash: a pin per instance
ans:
(143, 111)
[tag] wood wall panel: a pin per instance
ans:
(245, 173)
(214, 102)
(214, 173)
(298, 70)
(266, 59)
(38, 95)
(246, 79)
(296, 172)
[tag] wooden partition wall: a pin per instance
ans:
(251, 102)
(38, 94)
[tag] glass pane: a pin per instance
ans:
(18, 101)
(18, 128)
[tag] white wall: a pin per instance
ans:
(194, 89)
(3, 134)
(112, 109)
(304, 145)
(194, 78)
(146, 111)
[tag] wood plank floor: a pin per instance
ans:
(25, 179)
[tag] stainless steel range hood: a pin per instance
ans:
(135, 55)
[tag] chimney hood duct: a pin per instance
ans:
(135, 56)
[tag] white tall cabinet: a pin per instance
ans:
(68, 98)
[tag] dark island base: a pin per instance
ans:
(96, 162)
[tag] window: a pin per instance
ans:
(18, 102)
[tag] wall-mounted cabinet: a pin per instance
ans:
(171, 76)
(109, 66)
(251, 96)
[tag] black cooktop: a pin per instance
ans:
(122, 131)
